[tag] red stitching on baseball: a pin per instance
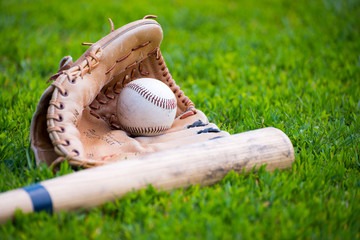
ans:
(156, 100)
(145, 130)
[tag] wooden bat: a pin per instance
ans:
(203, 163)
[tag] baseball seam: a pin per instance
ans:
(145, 130)
(156, 100)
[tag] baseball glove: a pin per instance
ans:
(75, 118)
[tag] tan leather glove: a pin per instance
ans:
(75, 117)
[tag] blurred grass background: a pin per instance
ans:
(294, 65)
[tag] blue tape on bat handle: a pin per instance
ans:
(40, 198)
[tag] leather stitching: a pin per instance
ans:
(126, 56)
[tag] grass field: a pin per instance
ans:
(293, 65)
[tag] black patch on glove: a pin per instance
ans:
(216, 137)
(208, 130)
(198, 123)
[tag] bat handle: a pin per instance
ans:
(12, 200)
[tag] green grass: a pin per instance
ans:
(294, 65)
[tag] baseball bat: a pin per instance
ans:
(202, 163)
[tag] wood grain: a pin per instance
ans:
(202, 163)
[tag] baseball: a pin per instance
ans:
(146, 107)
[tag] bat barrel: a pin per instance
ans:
(201, 163)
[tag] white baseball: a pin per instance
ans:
(146, 107)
